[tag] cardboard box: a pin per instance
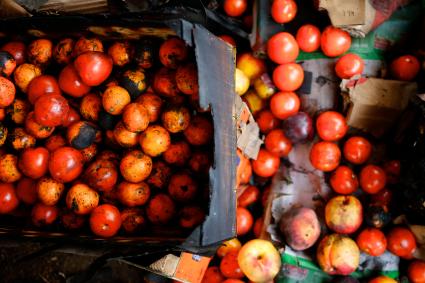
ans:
(216, 66)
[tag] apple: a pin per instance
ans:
(259, 260)
(344, 214)
(251, 66)
(241, 82)
(254, 102)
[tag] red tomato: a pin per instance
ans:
(405, 68)
(349, 65)
(416, 271)
(8, 198)
(41, 85)
(325, 156)
(283, 11)
(234, 8)
(43, 215)
(51, 110)
(331, 126)
(372, 179)
(266, 121)
(266, 164)
(357, 150)
(229, 266)
(401, 242)
(282, 48)
(335, 41)
(372, 241)
(213, 275)
(33, 162)
(228, 39)
(65, 164)
(244, 221)
(105, 220)
(277, 143)
(26, 191)
(344, 181)
(71, 83)
(392, 169)
(93, 67)
(249, 196)
(288, 77)
(308, 38)
(73, 116)
(284, 104)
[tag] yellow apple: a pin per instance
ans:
(259, 260)
(254, 102)
(241, 82)
(252, 66)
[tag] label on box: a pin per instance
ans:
(191, 267)
(345, 12)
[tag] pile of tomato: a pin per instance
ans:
(106, 135)
(348, 158)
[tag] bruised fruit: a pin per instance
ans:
(135, 82)
(153, 103)
(191, 216)
(105, 220)
(338, 254)
(84, 44)
(175, 119)
(160, 175)
(9, 171)
(160, 209)
(17, 49)
(164, 82)
(115, 99)
(62, 53)
(44, 215)
(133, 194)
(135, 166)
(7, 63)
(101, 175)
(124, 137)
(344, 214)
(200, 131)
(182, 187)
(81, 199)
(121, 53)
(135, 117)
(187, 79)
(8, 198)
(81, 134)
(155, 140)
(7, 92)
(49, 191)
(132, 220)
(39, 52)
(173, 52)
(301, 228)
(24, 74)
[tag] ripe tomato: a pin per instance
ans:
(213, 275)
(101, 175)
(71, 83)
(7, 92)
(349, 65)
(392, 169)
(182, 187)
(42, 85)
(244, 221)
(331, 126)
(308, 38)
(401, 242)
(81, 199)
(44, 215)
(249, 196)
(8, 198)
(33, 162)
(335, 41)
(284, 104)
(288, 77)
(133, 194)
(105, 220)
(229, 246)
(26, 191)
(54, 142)
(73, 116)
(235, 8)
(93, 67)
(283, 11)
(405, 68)
(416, 271)
(65, 164)
(372, 241)
(229, 266)
(51, 110)
(266, 121)
(282, 48)
(372, 179)
(325, 156)
(160, 209)
(357, 150)
(266, 164)
(277, 143)
(344, 181)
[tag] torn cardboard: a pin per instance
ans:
(359, 17)
(376, 104)
(248, 131)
